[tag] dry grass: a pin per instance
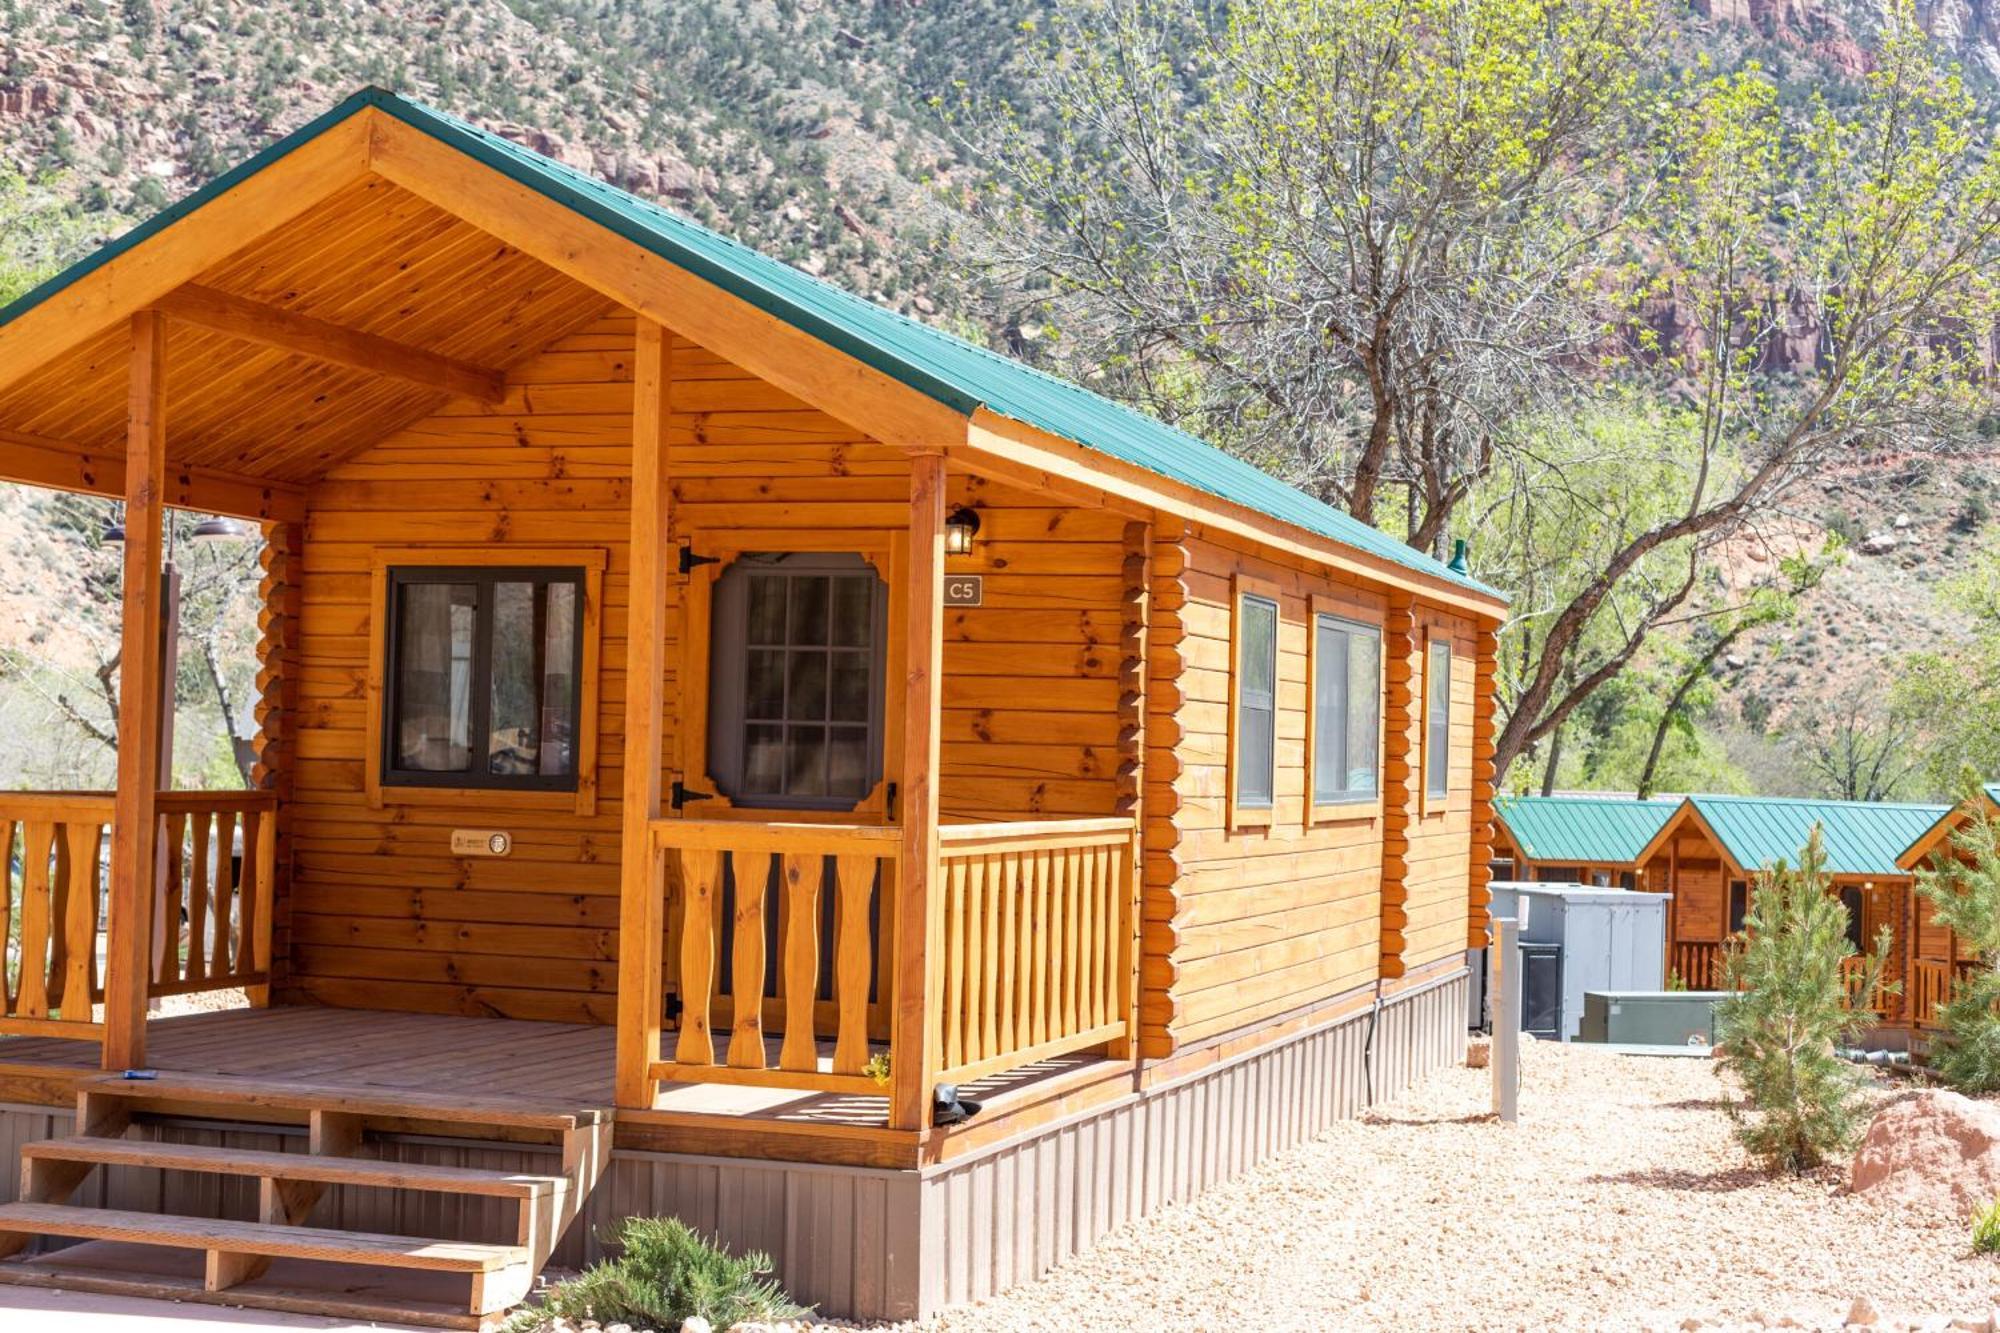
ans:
(1619, 1201)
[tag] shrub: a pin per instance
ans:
(1781, 1033)
(665, 1273)
(1964, 888)
(1986, 1229)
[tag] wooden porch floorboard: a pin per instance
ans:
(363, 1048)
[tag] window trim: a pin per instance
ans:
(888, 552)
(1245, 586)
(383, 789)
(1435, 802)
(1349, 807)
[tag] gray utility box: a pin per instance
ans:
(1650, 1018)
(1609, 940)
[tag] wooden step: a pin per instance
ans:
(293, 1166)
(256, 1238)
(223, 1090)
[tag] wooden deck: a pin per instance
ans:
(571, 1062)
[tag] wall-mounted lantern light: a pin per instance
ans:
(961, 525)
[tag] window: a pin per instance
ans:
(797, 660)
(484, 677)
(1253, 771)
(1437, 721)
(1346, 709)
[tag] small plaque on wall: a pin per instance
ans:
(480, 842)
(964, 589)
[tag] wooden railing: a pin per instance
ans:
(1037, 938)
(1930, 990)
(785, 928)
(51, 910)
(1698, 964)
(211, 925)
(755, 903)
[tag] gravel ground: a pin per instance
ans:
(1620, 1200)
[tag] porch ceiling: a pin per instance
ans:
(373, 259)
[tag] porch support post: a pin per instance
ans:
(642, 886)
(916, 1032)
(134, 840)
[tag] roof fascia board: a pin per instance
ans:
(1715, 840)
(1949, 823)
(33, 461)
(571, 242)
(180, 244)
(1039, 452)
(1667, 831)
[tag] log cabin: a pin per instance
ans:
(714, 733)
(1711, 849)
(1576, 839)
(1938, 956)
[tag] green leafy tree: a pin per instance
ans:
(1780, 1033)
(1952, 698)
(1964, 891)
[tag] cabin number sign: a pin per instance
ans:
(964, 589)
(480, 842)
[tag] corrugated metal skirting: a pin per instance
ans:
(1013, 1213)
(873, 1244)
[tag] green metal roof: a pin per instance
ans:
(1600, 829)
(1861, 837)
(956, 373)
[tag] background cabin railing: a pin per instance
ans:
(211, 929)
(1853, 974)
(1931, 982)
(755, 903)
(1036, 936)
(52, 850)
(1698, 964)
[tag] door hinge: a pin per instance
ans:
(689, 560)
(682, 794)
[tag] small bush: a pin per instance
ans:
(1781, 1032)
(665, 1273)
(1986, 1229)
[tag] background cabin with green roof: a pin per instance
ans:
(1576, 838)
(702, 716)
(1938, 955)
(1709, 852)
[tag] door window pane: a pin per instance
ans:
(1256, 703)
(796, 680)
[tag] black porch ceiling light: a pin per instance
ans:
(961, 525)
(218, 529)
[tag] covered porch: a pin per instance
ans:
(402, 369)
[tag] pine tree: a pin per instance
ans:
(1964, 890)
(1781, 1032)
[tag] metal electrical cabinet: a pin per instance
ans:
(1603, 940)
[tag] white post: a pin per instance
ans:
(1505, 1002)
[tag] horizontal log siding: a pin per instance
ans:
(1438, 883)
(382, 916)
(1264, 919)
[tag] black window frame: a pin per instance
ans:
(484, 578)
